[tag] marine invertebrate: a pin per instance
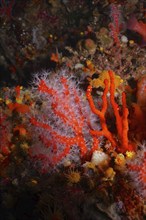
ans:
(136, 169)
(115, 24)
(137, 130)
(100, 158)
(122, 143)
(138, 110)
(6, 8)
(68, 126)
(19, 104)
(141, 92)
(73, 176)
(132, 203)
(99, 82)
(4, 136)
(139, 27)
(65, 122)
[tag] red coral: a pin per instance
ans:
(137, 26)
(121, 144)
(4, 136)
(141, 93)
(6, 8)
(137, 171)
(138, 112)
(115, 25)
(69, 123)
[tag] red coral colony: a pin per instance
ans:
(72, 136)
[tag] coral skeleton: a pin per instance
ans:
(122, 143)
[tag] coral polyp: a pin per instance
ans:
(72, 110)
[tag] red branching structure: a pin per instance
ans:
(6, 8)
(115, 25)
(4, 142)
(120, 143)
(75, 121)
(137, 170)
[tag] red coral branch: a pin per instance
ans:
(101, 114)
(115, 25)
(70, 126)
(73, 118)
(6, 8)
(122, 143)
(4, 140)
